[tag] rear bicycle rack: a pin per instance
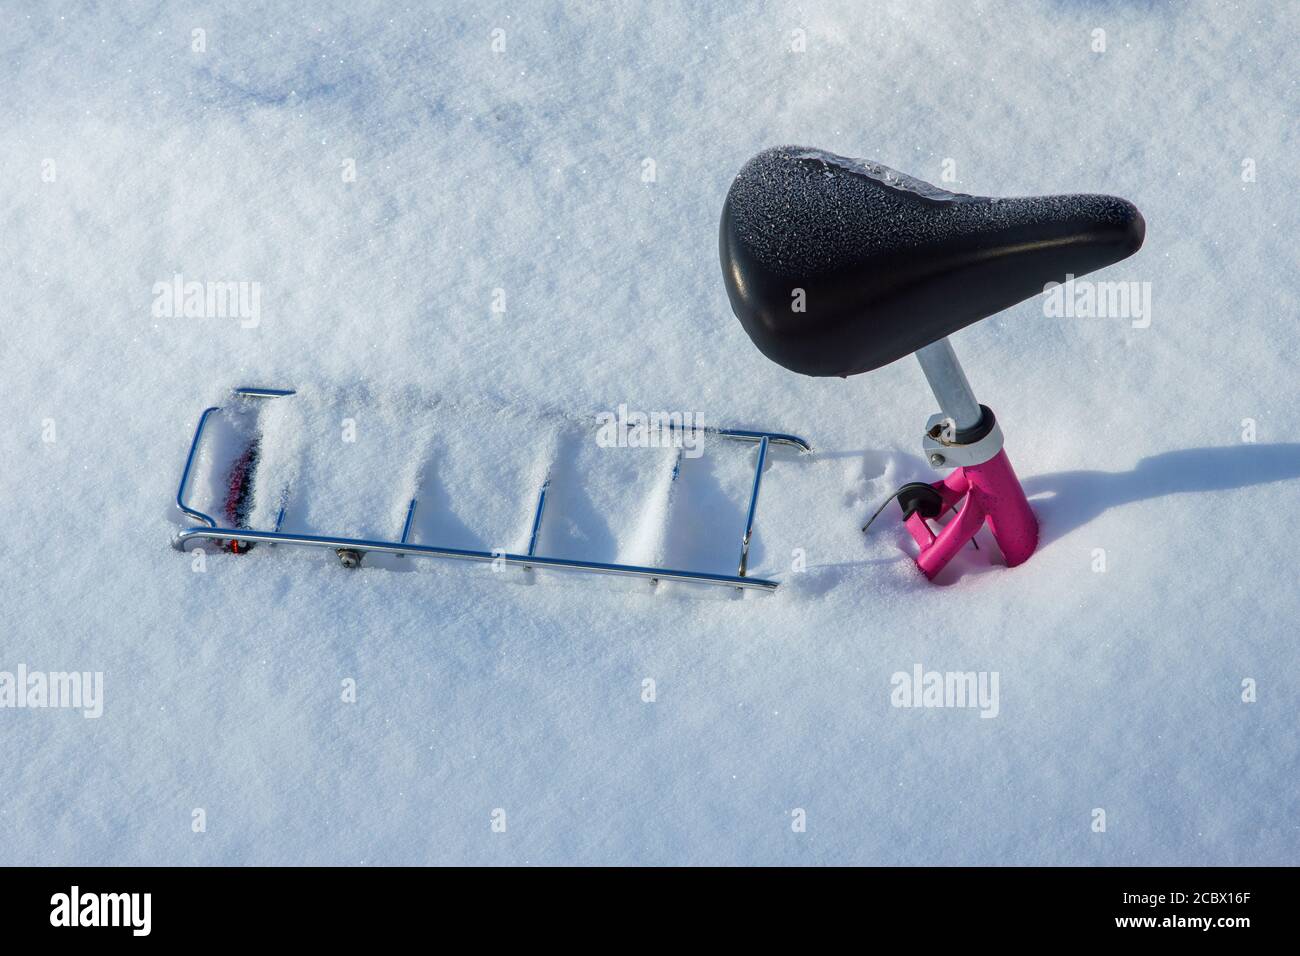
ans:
(351, 551)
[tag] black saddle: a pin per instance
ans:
(837, 266)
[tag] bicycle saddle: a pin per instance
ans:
(837, 266)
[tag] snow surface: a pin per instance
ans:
(522, 171)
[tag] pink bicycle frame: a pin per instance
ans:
(987, 493)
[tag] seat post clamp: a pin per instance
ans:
(947, 446)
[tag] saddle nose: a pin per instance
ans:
(837, 266)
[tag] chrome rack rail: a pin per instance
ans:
(351, 550)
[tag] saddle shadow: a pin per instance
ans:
(1070, 499)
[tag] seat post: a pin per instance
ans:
(949, 384)
(983, 489)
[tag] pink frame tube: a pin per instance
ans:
(988, 493)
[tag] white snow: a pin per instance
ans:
(522, 171)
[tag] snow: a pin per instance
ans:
(522, 171)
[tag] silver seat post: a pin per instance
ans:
(948, 382)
